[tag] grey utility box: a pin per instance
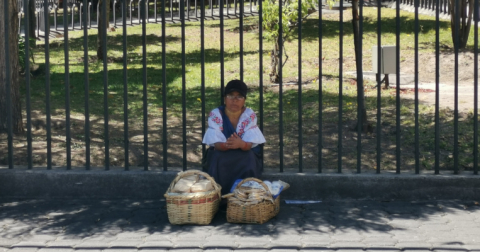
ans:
(388, 60)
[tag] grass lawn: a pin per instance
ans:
(330, 86)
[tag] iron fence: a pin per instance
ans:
(182, 17)
(75, 9)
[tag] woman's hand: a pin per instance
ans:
(235, 142)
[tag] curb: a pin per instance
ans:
(114, 184)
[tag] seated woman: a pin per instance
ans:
(234, 138)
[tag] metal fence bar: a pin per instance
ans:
(103, 30)
(202, 53)
(437, 89)
(260, 69)
(47, 92)
(280, 74)
(379, 87)
(320, 89)
(126, 141)
(398, 136)
(360, 89)
(340, 91)
(143, 8)
(417, 144)
(67, 83)
(222, 50)
(475, 85)
(86, 83)
(27, 83)
(455, 119)
(155, 11)
(184, 87)
(8, 84)
(241, 38)
(300, 136)
(164, 88)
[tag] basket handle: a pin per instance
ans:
(192, 172)
(256, 180)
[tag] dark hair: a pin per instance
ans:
(236, 85)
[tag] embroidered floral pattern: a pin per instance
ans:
(245, 123)
(217, 120)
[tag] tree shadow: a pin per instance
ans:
(81, 221)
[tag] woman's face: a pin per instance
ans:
(234, 101)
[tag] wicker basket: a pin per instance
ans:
(254, 214)
(193, 208)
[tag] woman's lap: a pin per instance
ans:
(227, 166)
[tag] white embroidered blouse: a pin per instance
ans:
(247, 128)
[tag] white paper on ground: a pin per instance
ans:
(302, 201)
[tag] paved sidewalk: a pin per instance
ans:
(128, 225)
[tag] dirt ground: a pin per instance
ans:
(427, 79)
(272, 156)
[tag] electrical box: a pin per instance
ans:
(388, 60)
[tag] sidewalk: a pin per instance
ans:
(129, 225)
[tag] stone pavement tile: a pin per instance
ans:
(433, 219)
(130, 236)
(39, 237)
(221, 241)
(413, 237)
(313, 241)
(125, 243)
(193, 250)
(258, 242)
(24, 244)
(417, 249)
(437, 227)
(348, 237)
(23, 250)
(448, 247)
(471, 238)
(472, 247)
(316, 249)
(283, 250)
(413, 245)
(56, 250)
(7, 242)
(286, 241)
(100, 237)
(372, 242)
(89, 244)
(88, 250)
(120, 250)
(347, 244)
(381, 249)
(158, 237)
(191, 242)
(155, 245)
(350, 250)
(398, 223)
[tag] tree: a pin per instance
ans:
(465, 8)
(358, 63)
(271, 26)
(101, 22)
(14, 72)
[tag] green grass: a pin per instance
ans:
(310, 93)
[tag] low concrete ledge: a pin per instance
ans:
(139, 184)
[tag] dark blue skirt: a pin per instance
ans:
(227, 166)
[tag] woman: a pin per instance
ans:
(234, 138)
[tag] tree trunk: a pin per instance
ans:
(360, 88)
(14, 73)
(465, 22)
(102, 33)
(32, 20)
(275, 63)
